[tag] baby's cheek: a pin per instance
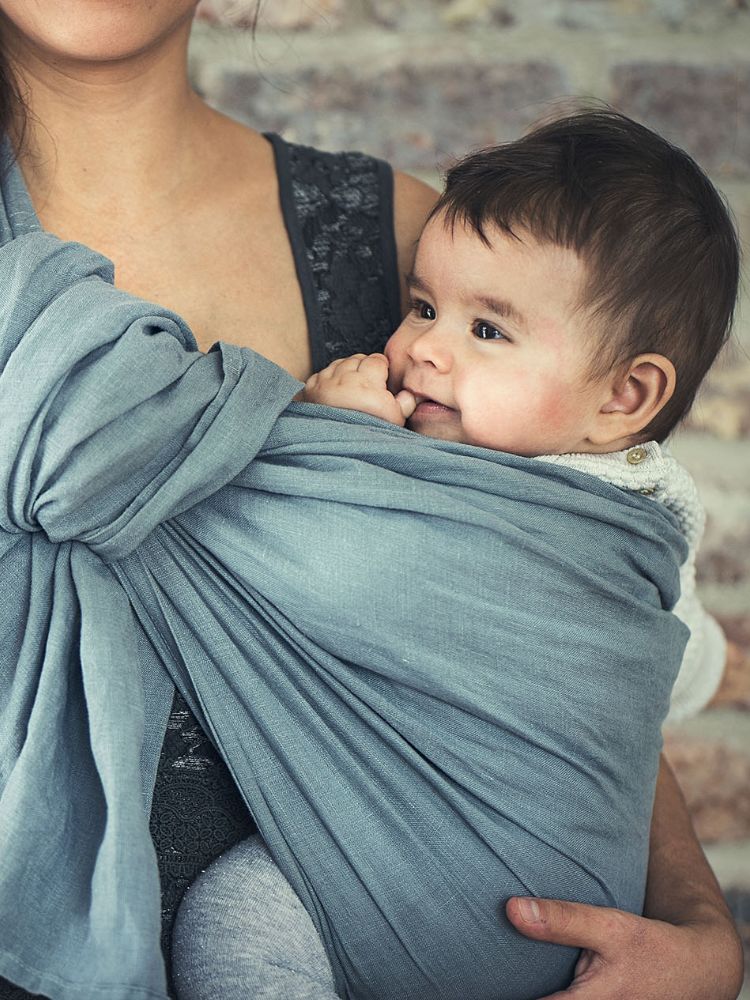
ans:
(562, 418)
(394, 345)
(542, 418)
(556, 406)
(395, 358)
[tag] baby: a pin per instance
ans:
(569, 293)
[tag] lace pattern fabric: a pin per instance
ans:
(340, 223)
(197, 812)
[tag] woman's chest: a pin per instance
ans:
(228, 271)
(230, 292)
(236, 285)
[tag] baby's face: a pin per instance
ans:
(493, 348)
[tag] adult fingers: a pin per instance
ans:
(578, 925)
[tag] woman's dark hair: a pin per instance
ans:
(660, 246)
(11, 100)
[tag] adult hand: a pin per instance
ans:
(734, 690)
(626, 957)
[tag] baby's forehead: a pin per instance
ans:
(455, 252)
(451, 234)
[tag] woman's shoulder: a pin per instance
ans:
(413, 200)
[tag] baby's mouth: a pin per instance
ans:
(430, 405)
(427, 406)
(430, 409)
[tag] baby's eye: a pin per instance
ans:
(423, 309)
(486, 331)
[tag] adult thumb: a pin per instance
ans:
(578, 925)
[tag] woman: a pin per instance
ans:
(120, 154)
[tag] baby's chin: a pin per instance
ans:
(453, 431)
(436, 421)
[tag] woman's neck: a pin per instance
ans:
(104, 137)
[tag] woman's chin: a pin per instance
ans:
(93, 31)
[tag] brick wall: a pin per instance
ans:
(419, 82)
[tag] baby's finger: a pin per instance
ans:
(375, 366)
(321, 377)
(407, 403)
(350, 364)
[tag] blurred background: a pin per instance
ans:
(419, 83)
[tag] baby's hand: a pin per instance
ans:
(359, 383)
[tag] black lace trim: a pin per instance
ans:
(338, 209)
(10, 992)
(197, 812)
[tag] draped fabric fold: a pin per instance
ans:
(111, 422)
(437, 673)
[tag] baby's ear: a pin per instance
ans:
(639, 391)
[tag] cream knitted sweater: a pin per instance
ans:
(649, 469)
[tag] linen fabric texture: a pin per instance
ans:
(437, 673)
(337, 210)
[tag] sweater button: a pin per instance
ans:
(636, 455)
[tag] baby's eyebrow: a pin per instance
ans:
(501, 307)
(414, 281)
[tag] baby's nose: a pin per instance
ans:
(432, 348)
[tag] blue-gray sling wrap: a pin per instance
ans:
(437, 673)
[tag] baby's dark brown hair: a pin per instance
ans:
(660, 247)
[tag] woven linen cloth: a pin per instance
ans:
(437, 673)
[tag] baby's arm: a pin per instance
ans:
(705, 654)
(359, 383)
